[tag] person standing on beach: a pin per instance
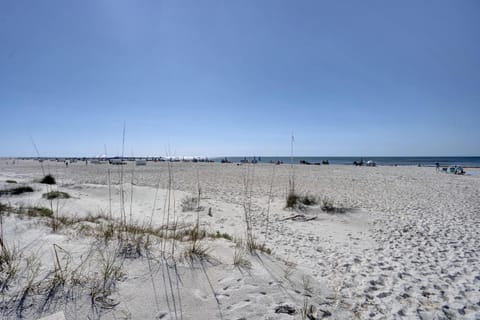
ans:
(437, 166)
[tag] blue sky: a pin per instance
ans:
(214, 78)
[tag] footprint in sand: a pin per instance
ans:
(200, 295)
(222, 295)
(239, 305)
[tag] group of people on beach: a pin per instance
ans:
(454, 169)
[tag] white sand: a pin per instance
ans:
(407, 247)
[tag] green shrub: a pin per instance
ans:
(190, 204)
(292, 200)
(56, 195)
(48, 179)
(219, 235)
(308, 200)
(196, 250)
(4, 207)
(253, 246)
(39, 212)
(16, 191)
(330, 207)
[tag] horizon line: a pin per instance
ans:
(245, 156)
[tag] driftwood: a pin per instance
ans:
(299, 217)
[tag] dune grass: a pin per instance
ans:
(130, 240)
(240, 259)
(37, 212)
(295, 200)
(189, 203)
(16, 191)
(329, 206)
(55, 195)
(218, 235)
(9, 260)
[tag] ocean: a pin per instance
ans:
(468, 162)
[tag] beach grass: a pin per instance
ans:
(295, 200)
(16, 191)
(55, 195)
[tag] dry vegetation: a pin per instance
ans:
(114, 243)
(37, 287)
(15, 191)
(56, 195)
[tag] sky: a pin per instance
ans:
(219, 78)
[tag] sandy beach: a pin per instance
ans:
(403, 243)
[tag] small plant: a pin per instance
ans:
(196, 234)
(297, 201)
(131, 249)
(239, 256)
(59, 278)
(292, 200)
(328, 206)
(33, 269)
(248, 180)
(39, 212)
(55, 283)
(16, 191)
(111, 268)
(20, 190)
(308, 200)
(56, 195)
(190, 204)
(62, 220)
(110, 272)
(106, 231)
(28, 211)
(219, 235)
(9, 261)
(86, 230)
(290, 268)
(307, 286)
(11, 181)
(4, 208)
(253, 246)
(48, 179)
(196, 249)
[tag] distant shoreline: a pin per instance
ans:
(466, 162)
